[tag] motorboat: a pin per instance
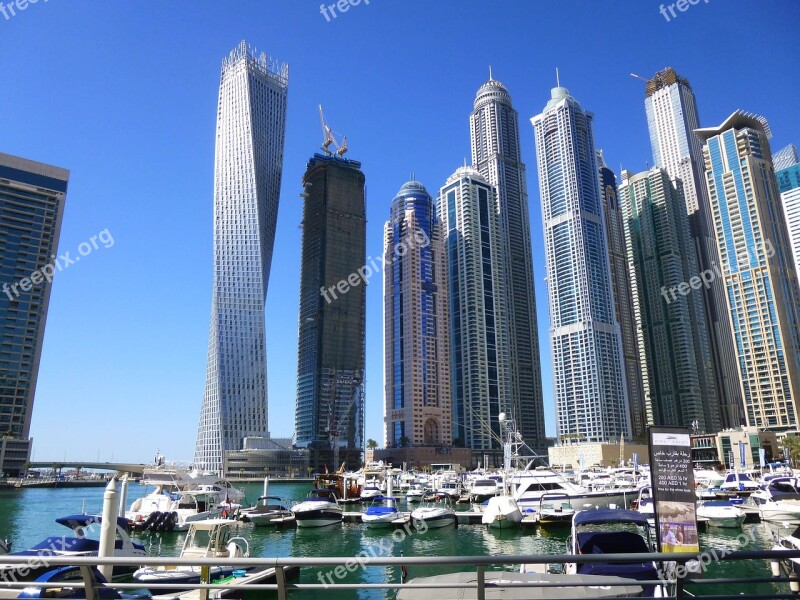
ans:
(434, 515)
(210, 538)
(777, 488)
(269, 510)
(781, 511)
(370, 491)
(449, 488)
(721, 513)
(164, 510)
(319, 509)
(78, 545)
(483, 489)
(614, 531)
(738, 483)
(381, 513)
(415, 493)
(790, 565)
(501, 512)
(555, 509)
(528, 486)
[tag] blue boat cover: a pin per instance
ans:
(74, 521)
(609, 515)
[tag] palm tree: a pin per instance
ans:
(371, 444)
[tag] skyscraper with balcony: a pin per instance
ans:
(494, 136)
(416, 335)
(329, 415)
(467, 209)
(789, 185)
(670, 320)
(634, 361)
(756, 267)
(588, 375)
(32, 197)
(251, 121)
(672, 118)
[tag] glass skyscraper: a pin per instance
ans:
(785, 157)
(670, 320)
(756, 268)
(32, 197)
(329, 415)
(416, 336)
(789, 186)
(671, 119)
(467, 208)
(588, 376)
(251, 121)
(494, 134)
(623, 300)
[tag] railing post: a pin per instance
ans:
(679, 570)
(89, 581)
(205, 577)
(481, 582)
(280, 579)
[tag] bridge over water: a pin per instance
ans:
(132, 468)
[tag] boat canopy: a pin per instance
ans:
(718, 503)
(75, 521)
(609, 515)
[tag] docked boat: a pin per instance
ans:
(370, 491)
(77, 545)
(451, 489)
(614, 531)
(206, 539)
(781, 511)
(721, 513)
(483, 489)
(528, 486)
(381, 513)
(790, 565)
(739, 483)
(163, 510)
(778, 500)
(501, 512)
(644, 504)
(415, 493)
(319, 509)
(434, 515)
(555, 509)
(269, 510)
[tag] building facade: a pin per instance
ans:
(32, 198)
(623, 300)
(467, 209)
(789, 186)
(670, 320)
(416, 335)
(494, 135)
(785, 157)
(588, 375)
(756, 268)
(251, 121)
(672, 117)
(329, 415)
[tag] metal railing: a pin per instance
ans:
(285, 567)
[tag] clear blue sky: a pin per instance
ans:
(124, 95)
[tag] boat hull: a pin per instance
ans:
(435, 521)
(320, 517)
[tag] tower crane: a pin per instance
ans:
(329, 138)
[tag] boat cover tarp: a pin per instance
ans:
(609, 515)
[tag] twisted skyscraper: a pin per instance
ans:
(494, 133)
(251, 120)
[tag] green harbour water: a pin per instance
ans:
(27, 516)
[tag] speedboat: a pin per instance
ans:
(381, 513)
(434, 515)
(721, 513)
(777, 488)
(370, 491)
(320, 508)
(415, 493)
(555, 509)
(739, 483)
(164, 510)
(77, 545)
(501, 512)
(783, 511)
(451, 489)
(614, 531)
(483, 489)
(266, 513)
(205, 539)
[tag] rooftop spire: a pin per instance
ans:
(558, 79)
(490, 73)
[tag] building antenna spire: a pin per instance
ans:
(490, 73)
(412, 175)
(558, 79)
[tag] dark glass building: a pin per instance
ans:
(334, 274)
(32, 197)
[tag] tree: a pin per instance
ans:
(792, 442)
(371, 444)
(404, 442)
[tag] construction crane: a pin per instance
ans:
(638, 77)
(328, 137)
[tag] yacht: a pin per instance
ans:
(163, 510)
(320, 508)
(267, 513)
(77, 545)
(381, 513)
(739, 483)
(370, 490)
(528, 486)
(415, 493)
(205, 539)
(721, 513)
(483, 489)
(434, 515)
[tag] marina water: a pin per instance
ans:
(27, 516)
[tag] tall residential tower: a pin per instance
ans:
(494, 134)
(588, 376)
(416, 336)
(251, 120)
(32, 197)
(756, 268)
(329, 416)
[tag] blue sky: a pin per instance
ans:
(124, 95)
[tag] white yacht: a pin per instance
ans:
(415, 493)
(483, 489)
(320, 508)
(528, 486)
(721, 513)
(435, 515)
